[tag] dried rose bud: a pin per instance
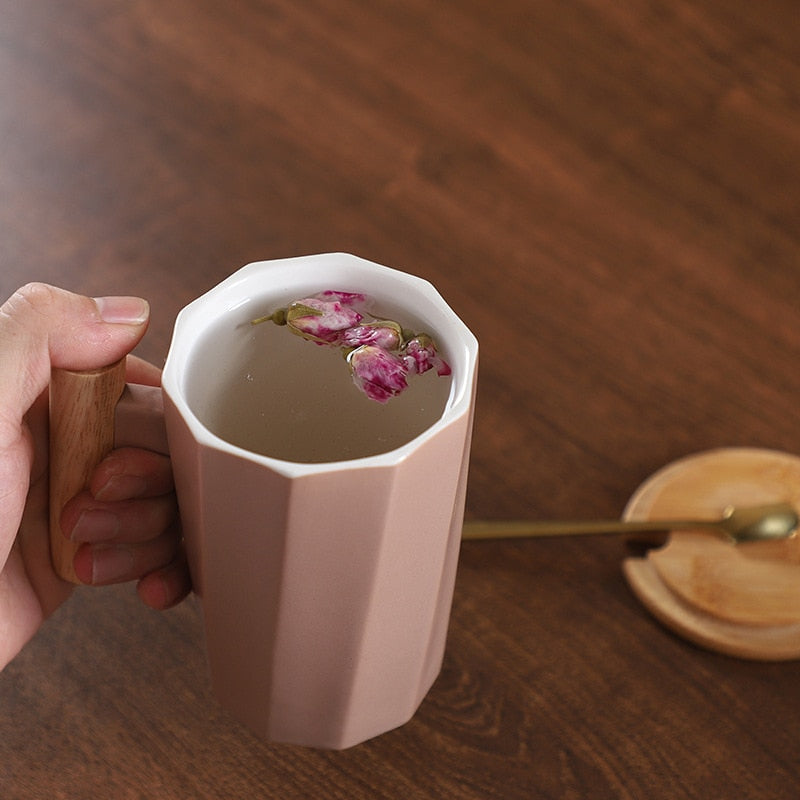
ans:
(385, 334)
(380, 374)
(324, 320)
(420, 355)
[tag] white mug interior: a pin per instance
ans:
(204, 336)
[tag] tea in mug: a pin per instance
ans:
(275, 393)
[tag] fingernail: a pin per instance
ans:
(121, 487)
(111, 563)
(95, 525)
(123, 310)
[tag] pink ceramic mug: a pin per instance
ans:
(325, 587)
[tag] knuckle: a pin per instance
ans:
(35, 295)
(31, 300)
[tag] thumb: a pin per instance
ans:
(43, 327)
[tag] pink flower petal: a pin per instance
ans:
(321, 321)
(420, 355)
(380, 374)
(383, 334)
(345, 298)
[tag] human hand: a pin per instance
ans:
(127, 519)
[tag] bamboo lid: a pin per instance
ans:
(744, 599)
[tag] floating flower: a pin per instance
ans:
(324, 317)
(385, 334)
(381, 354)
(420, 355)
(380, 374)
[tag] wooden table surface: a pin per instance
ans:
(606, 192)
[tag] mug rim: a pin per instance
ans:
(296, 275)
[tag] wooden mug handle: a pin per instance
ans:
(81, 434)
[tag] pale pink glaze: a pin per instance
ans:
(326, 588)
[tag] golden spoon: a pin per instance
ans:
(748, 524)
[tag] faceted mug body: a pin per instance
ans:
(325, 587)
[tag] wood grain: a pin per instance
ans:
(606, 192)
(744, 600)
(81, 435)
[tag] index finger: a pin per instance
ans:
(137, 370)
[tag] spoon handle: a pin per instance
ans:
(514, 529)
